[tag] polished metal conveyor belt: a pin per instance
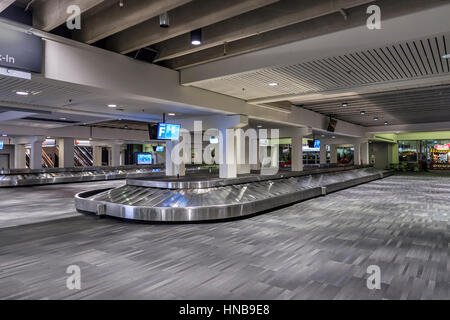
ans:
(145, 203)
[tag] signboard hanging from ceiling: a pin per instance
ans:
(20, 51)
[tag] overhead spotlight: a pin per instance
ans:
(345, 104)
(125, 126)
(375, 118)
(63, 119)
(196, 37)
(333, 137)
(446, 56)
(362, 112)
(323, 136)
(171, 114)
(164, 20)
(4, 135)
(112, 105)
(273, 84)
(386, 123)
(260, 126)
(22, 93)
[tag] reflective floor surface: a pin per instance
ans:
(317, 249)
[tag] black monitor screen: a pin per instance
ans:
(153, 131)
(332, 125)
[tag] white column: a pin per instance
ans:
(115, 155)
(19, 156)
(36, 155)
(365, 153)
(323, 153)
(66, 153)
(257, 165)
(333, 154)
(297, 153)
(97, 155)
(242, 153)
(175, 166)
(357, 154)
(227, 154)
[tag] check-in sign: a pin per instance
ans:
(20, 51)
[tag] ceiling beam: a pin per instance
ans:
(277, 15)
(323, 37)
(49, 14)
(5, 4)
(330, 23)
(191, 16)
(114, 19)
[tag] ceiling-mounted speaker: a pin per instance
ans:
(164, 20)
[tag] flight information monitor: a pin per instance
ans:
(143, 158)
(168, 131)
(160, 148)
(1, 145)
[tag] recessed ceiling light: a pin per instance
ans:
(273, 84)
(171, 114)
(196, 37)
(345, 104)
(333, 137)
(22, 93)
(4, 135)
(375, 118)
(323, 136)
(447, 56)
(362, 112)
(260, 126)
(62, 118)
(386, 123)
(112, 105)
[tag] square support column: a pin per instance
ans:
(175, 166)
(97, 155)
(297, 153)
(323, 153)
(365, 153)
(242, 153)
(66, 153)
(19, 156)
(333, 154)
(36, 155)
(357, 154)
(115, 155)
(227, 154)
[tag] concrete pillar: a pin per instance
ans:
(97, 155)
(257, 165)
(66, 153)
(19, 156)
(36, 155)
(297, 153)
(115, 155)
(365, 153)
(174, 160)
(242, 153)
(227, 154)
(333, 154)
(357, 154)
(323, 153)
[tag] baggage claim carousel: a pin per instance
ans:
(205, 197)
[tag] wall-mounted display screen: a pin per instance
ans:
(1, 145)
(143, 158)
(168, 131)
(213, 140)
(332, 125)
(159, 148)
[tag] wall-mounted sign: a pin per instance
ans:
(445, 147)
(82, 143)
(20, 51)
(49, 143)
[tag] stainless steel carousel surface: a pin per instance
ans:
(27, 177)
(200, 202)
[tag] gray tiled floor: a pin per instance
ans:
(317, 249)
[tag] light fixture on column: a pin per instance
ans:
(164, 20)
(196, 37)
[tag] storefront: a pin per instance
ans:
(438, 156)
(436, 153)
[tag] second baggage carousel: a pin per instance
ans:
(201, 197)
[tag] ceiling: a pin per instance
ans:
(412, 106)
(402, 61)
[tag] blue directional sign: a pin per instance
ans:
(168, 131)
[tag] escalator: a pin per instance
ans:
(47, 162)
(83, 157)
